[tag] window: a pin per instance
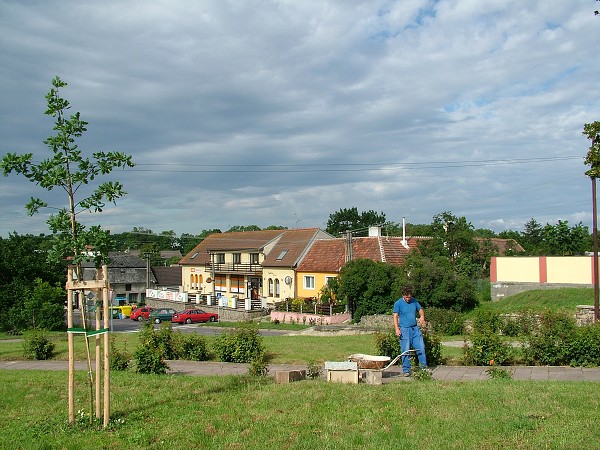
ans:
(220, 258)
(309, 282)
(253, 258)
(237, 258)
(276, 287)
(327, 280)
(128, 286)
(282, 255)
(237, 284)
(220, 283)
(270, 287)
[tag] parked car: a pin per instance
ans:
(162, 314)
(141, 313)
(194, 315)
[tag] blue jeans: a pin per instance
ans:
(412, 337)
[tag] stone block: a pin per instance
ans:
(287, 376)
(371, 376)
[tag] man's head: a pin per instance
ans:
(407, 293)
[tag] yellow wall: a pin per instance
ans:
(572, 269)
(285, 290)
(518, 269)
(319, 283)
(559, 269)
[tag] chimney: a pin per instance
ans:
(374, 231)
(404, 243)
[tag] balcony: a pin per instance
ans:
(242, 268)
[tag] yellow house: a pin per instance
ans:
(325, 258)
(255, 265)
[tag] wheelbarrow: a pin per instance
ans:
(377, 362)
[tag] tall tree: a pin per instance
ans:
(349, 219)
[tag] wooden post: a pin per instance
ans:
(105, 305)
(70, 345)
(97, 355)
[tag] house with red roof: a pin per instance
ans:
(326, 257)
(255, 265)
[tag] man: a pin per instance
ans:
(405, 322)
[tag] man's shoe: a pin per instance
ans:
(406, 374)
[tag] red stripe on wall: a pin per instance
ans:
(543, 270)
(493, 270)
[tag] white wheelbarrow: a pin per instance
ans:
(377, 362)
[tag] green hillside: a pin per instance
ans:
(565, 299)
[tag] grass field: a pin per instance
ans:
(240, 412)
(181, 412)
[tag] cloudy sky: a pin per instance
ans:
(281, 112)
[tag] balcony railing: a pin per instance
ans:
(245, 268)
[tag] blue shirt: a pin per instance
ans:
(407, 312)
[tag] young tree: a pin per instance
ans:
(69, 170)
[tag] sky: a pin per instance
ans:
(282, 112)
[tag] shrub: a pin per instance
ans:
(584, 347)
(388, 344)
(518, 324)
(497, 373)
(258, 366)
(191, 347)
(486, 347)
(150, 360)
(445, 321)
(549, 344)
(37, 346)
(154, 349)
(313, 370)
(241, 345)
(486, 322)
(118, 360)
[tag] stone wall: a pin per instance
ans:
(584, 315)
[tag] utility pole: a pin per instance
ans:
(592, 132)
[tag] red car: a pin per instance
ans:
(194, 315)
(140, 314)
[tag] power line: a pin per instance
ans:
(336, 166)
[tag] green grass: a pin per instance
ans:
(181, 412)
(565, 300)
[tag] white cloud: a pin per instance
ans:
(281, 112)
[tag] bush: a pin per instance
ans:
(118, 360)
(584, 347)
(150, 360)
(486, 347)
(258, 366)
(486, 322)
(445, 321)
(37, 346)
(518, 324)
(313, 370)
(191, 347)
(388, 344)
(242, 345)
(154, 349)
(549, 344)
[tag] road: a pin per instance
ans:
(132, 326)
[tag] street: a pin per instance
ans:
(133, 326)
